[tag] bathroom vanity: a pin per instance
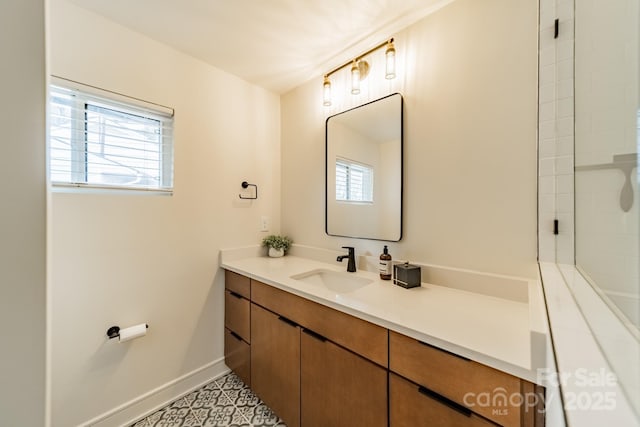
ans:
(366, 354)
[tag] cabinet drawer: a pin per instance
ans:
(484, 390)
(359, 336)
(411, 405)
(237, 356)
(237, 283)
(237, 315)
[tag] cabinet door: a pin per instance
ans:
(340, 388)
(412, 405)
(275, 363)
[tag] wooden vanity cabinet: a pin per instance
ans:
(237, 316)
(237, 283)
(275, 363)
(362, 337)
(414, 405)
(237, 322)
(340, 388)
(341, 361)
(316, 366)
(237, 356)
(463, 385)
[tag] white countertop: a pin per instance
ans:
(491, 330)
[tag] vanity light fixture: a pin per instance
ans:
(326, 91)
(355, 78)
(390, 56)
(360, 70)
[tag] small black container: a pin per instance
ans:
(407, 275)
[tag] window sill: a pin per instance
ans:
(105, 189)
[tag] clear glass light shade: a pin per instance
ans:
(390, 55)
(360, 70)
(326, 92)
(355, 79)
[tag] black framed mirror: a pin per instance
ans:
(364, 170)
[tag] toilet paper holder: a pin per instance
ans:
(114, 331)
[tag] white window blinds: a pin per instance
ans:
(354, 181)
(100, 139)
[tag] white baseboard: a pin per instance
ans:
(147, 403)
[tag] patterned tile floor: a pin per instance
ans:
(226, 402)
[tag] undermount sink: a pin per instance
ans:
(335, 281)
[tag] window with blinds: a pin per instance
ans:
(354, 181)
(103, 140)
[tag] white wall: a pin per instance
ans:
(468, 77)
(127, 259)
(23, 213)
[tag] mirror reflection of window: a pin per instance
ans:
(354, 181)
(363, 167)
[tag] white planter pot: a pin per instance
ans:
(276, 253)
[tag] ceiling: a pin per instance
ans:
(276, 44)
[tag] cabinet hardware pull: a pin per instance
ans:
(235, 294)
(445, 351)
(314, 335)
(288, 321)
(236, 336)
(451, 404)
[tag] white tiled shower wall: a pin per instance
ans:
(556, 132)
(592, 331)
(606, 126)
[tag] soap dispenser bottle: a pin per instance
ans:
(385, 264)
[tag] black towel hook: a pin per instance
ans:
(245, 184)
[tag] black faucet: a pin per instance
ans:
(351, 266)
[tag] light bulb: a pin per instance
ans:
(355, 78)
(390, 55)
(326, 92)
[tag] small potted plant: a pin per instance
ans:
(277, 245)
